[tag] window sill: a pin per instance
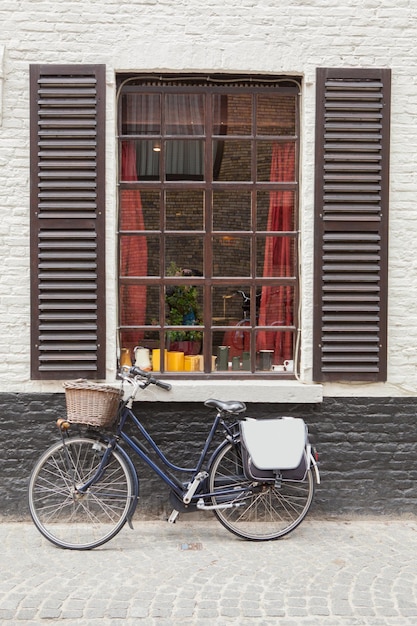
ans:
(258, 391)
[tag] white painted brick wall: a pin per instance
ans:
(277, 36)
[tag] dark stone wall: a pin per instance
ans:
(367, 449)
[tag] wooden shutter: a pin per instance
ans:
(351, 224)
(67, 221)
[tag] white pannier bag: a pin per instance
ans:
(278, 444)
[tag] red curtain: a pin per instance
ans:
(276, 306)
(133, 253)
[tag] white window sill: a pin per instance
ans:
(259, 391)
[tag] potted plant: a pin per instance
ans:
(183, 310)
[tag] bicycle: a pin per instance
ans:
(84, 488)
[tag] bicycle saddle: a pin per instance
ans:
(232, 406)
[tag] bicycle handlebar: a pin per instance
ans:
(136, 371)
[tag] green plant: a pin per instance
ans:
(183, 308)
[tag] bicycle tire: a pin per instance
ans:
(259, 511)
(64, 516)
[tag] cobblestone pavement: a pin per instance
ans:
(329, 573)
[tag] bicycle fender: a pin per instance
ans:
(315, 467)
(222, 445)
(135, 479)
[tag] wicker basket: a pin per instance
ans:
(90, 403)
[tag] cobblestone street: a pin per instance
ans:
(326, 572)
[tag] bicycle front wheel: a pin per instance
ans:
(259, 511)
(75, 520)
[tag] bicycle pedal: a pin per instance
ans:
(173, 517)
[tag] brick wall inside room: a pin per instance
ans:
(367, 450)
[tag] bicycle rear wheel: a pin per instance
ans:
(67, 517)
(259, 511)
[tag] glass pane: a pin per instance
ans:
(184, 114)
(231, 256)
(232, 114)
(184, 355)
(276, 307)
(232, 160)
(139, 160)
(139, 255)
(184, 210)
(184, 159)
(231, 210)
(275, 162)
(275, 256)
(231, 349)
(276, 114)
(139, 210)
(139, 306)
(183, 307)
(132, 304)
(275, 210)
(141, 114)
(274, 351)
(230, 305)
(184, 255)
(144, 344)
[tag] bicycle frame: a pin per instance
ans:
(172, 481)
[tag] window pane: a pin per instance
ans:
(235, 161)
(230, 305)
(139, 209)
(275, 256)
(276, 306)
(184, 307)
(273, 349)
(139, 160)
(141, 114)
(275, 210)
(275, 114)
(232, 114)
(184, 159)
(139, 306)
(231, 210)
(139, 255)
(184, 114)
(184, 210)
(231, 256)
(275, 162)
(186, 253)
(231, 344)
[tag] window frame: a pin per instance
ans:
(207, 86)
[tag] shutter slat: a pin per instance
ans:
(67, 208)
(352, 137)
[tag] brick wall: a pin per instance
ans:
(367, 450)
(236, 36)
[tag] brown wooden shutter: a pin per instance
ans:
(351, 224)
(67, 221)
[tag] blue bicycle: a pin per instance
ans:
(84, 488)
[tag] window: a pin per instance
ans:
(208, 223)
